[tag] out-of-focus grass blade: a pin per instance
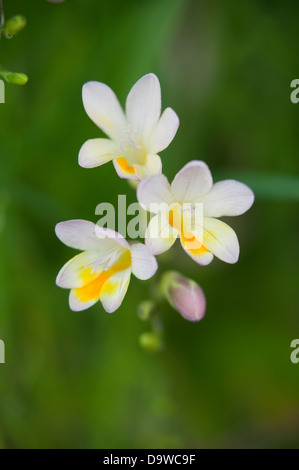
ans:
(163, 17)
(267, 186)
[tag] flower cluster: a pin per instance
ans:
(189, 208)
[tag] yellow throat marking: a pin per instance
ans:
(94, 287)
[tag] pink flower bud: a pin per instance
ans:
(184, 295)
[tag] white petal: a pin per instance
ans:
(103, 108)
(144, 264)
(200, 255)
(111, 236)
(159, 236)
(153, 191)
(80, 270)
(77, 305)
(114, 290)
(192, 181)
(228, 197)
(143, 105)
(165, 131)
(221, 240)
(81, 235)
(153, 166)
(96, 152)
(124, 170)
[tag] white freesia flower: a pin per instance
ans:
(136, 136)
(203, 236)
(102, 272)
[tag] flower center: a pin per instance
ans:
(181, 219)
(175, 218)
(132, 147)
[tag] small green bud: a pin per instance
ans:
(146, 310)
(17, 78)
(151, 342)
(14, 78)
(15, 24)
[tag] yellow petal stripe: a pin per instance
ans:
(189, 240)
(198, 247)
(122, 162)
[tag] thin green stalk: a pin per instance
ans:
(2, 21)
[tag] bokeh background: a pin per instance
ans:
(82, 380)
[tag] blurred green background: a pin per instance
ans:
(82, 380)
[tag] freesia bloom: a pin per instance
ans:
(102, 271)
(184, 295)
(202, 235)
(136, 136)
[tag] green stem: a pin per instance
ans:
(2, 13)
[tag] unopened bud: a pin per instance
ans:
(14, 78)
(15, 24)
(146, 309)
(184, 295)
(151, 342)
